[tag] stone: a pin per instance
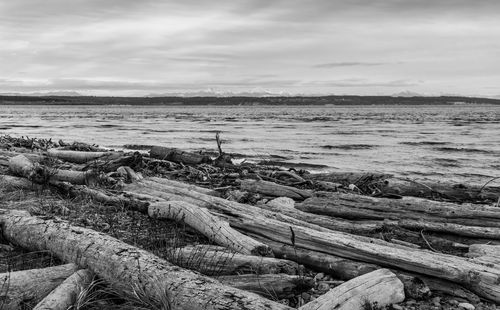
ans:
(453, 302)
(323, 287)
(305, 296)
(319, 276)
(282, 203)
(466, 305)
(397, 307)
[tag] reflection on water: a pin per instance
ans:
(451, 142)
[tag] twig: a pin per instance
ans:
(217, 138)
(482, 187)
(427, 242)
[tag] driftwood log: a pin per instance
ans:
(380, 287)
(8, 182)
(77, 157)
(19, 288)
(124, 266)
(272, 189)
(210, 226)
(215, 261)
(178, 156)
(64, 296)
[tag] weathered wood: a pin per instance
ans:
(272, 286)
(210, 226)
(65, 295)
(169, 182)
(272, 189)
(8, 182)
(215, 261)
(462, 230)
(78, 157)
(122, 265)
(353, 206)
(476, 250)
(30, 286)
(447, 287)
(381, 287)
(178, 156)
(389, 184)
(22, 166)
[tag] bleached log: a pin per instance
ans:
(278, 227)
(390, 184)
(381, 287)
(64, 296)
(272, 286)
(20, 287)
(273, 189)
(178, 156)
(208, 225)
(77, 157)
(22, 166)
(215, 261)
(122, 265)
(169, 182)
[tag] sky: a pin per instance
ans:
(316, 47)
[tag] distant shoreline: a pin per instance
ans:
(246, 101)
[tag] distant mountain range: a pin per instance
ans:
(39, 94)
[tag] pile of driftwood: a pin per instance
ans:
(387, 237)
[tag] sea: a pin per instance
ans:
(458, 143)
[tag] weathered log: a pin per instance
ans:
(389, 184)
(353, 206)
(19, 288)
(461, 230)
(8, 182)
(480, 279)
(272, 286)
(476, 250)
(447, 287)
(65, 295)
(22, 166)
(215, 261)
(78, 157)
(124, 265)
(129, 173)
(273, 189)
(380, 287)
(210, 226)
(169, 182)
(178, 156)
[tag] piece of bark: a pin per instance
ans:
(278, 227)
(380, 287)
(389, 184)
(25, 287)
(178, 156)
(215, 261)
(272, 286)
(78, 157)
(64, 296)
(272, 189)
(124, 266)
(22, 166)
(210, 226)
(353, 206)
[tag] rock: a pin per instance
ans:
(282, 203)
(319, 276)
(305, 296)
(397, 307)
(453, 302)
(411, 302)
(323, 287)
(436, 301)
(466, 305)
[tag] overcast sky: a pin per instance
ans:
(132, 47)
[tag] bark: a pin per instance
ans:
(273, 189)
(271, 225)
(210, 226)
(216, 260)
(178, 156)
(272, 286)
(22, 166)
(353, 206)
(27, 287)
(380, 287)
(78, 157)
(66, 294)
(389, 184)
(124, 265)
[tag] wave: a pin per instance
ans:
(462, 150)
(349, 147)
(423, 143)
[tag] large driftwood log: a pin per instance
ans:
(274, 226)
(169, 182)
(272, 189)
(210, 226)
(65, 295)
(389, 184)
(215, 261)
(124, 265)
(380, 287)
(272, 286)
(178, 156)
(78, 157)
(19, 288)
(22, 166)
(353, 206)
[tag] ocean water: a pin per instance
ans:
(459, 143)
